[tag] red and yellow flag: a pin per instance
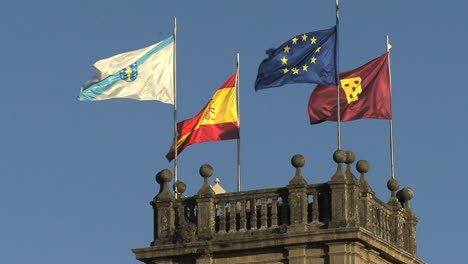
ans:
(365, 94)
(217, 121)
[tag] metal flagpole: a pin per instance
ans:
(238, 123)
(174, 82)
(338, 107)
(392, 161)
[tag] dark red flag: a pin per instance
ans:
(365, 93)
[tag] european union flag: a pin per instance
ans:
(306, 58)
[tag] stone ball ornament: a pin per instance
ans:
(350, 157)
(206, 171)
(164, 176)
(363, 166)
(181, 186)
(339, 156)
(298, 161)
(407, 193)
(393, 185)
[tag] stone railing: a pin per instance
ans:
(342, 202)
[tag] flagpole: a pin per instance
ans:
(174, 80)
(392, 160)
(238, 123)
(338, 107)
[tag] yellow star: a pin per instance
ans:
(287, 48)
(295, 40)
(304, 37)
(305, 67)
(284, 60)
(313, 40)
(295, 70)
(285, 70)
(313, 60)
(318, 49)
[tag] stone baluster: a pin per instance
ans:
(253, 214)
(164, 217)
(222, 217)
(297, 200)
(243, 216)
(264, 216)
(315, 207)
(232, 216)
(274, 211)
(205, 203)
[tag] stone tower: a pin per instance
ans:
(337, 222)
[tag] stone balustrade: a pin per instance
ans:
(343, 202)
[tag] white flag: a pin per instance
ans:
(144, 74)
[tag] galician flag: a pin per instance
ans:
(144, 74)
(217, 121)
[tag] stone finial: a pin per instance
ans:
(206, 171)
(163, 178)
(363, 167)
(393, 185)
(298, 161)
(180, 186)
(339, 157)
(404, 196)
(350, 158)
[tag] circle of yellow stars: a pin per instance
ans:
(287, 49)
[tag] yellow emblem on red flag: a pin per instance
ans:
(352, 88)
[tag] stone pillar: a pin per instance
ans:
(353, 191)
(297, 254)
(406, 194)
(163, 209)
(344, 192)
(339, 194)
(297, 200)
(366, 195)
(205, 205)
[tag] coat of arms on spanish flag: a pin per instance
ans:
(218, 120)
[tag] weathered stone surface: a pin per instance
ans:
(340, 221)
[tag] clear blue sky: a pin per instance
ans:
(76, 177)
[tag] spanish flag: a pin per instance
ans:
(217, 121)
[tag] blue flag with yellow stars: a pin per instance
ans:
(306, 58)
